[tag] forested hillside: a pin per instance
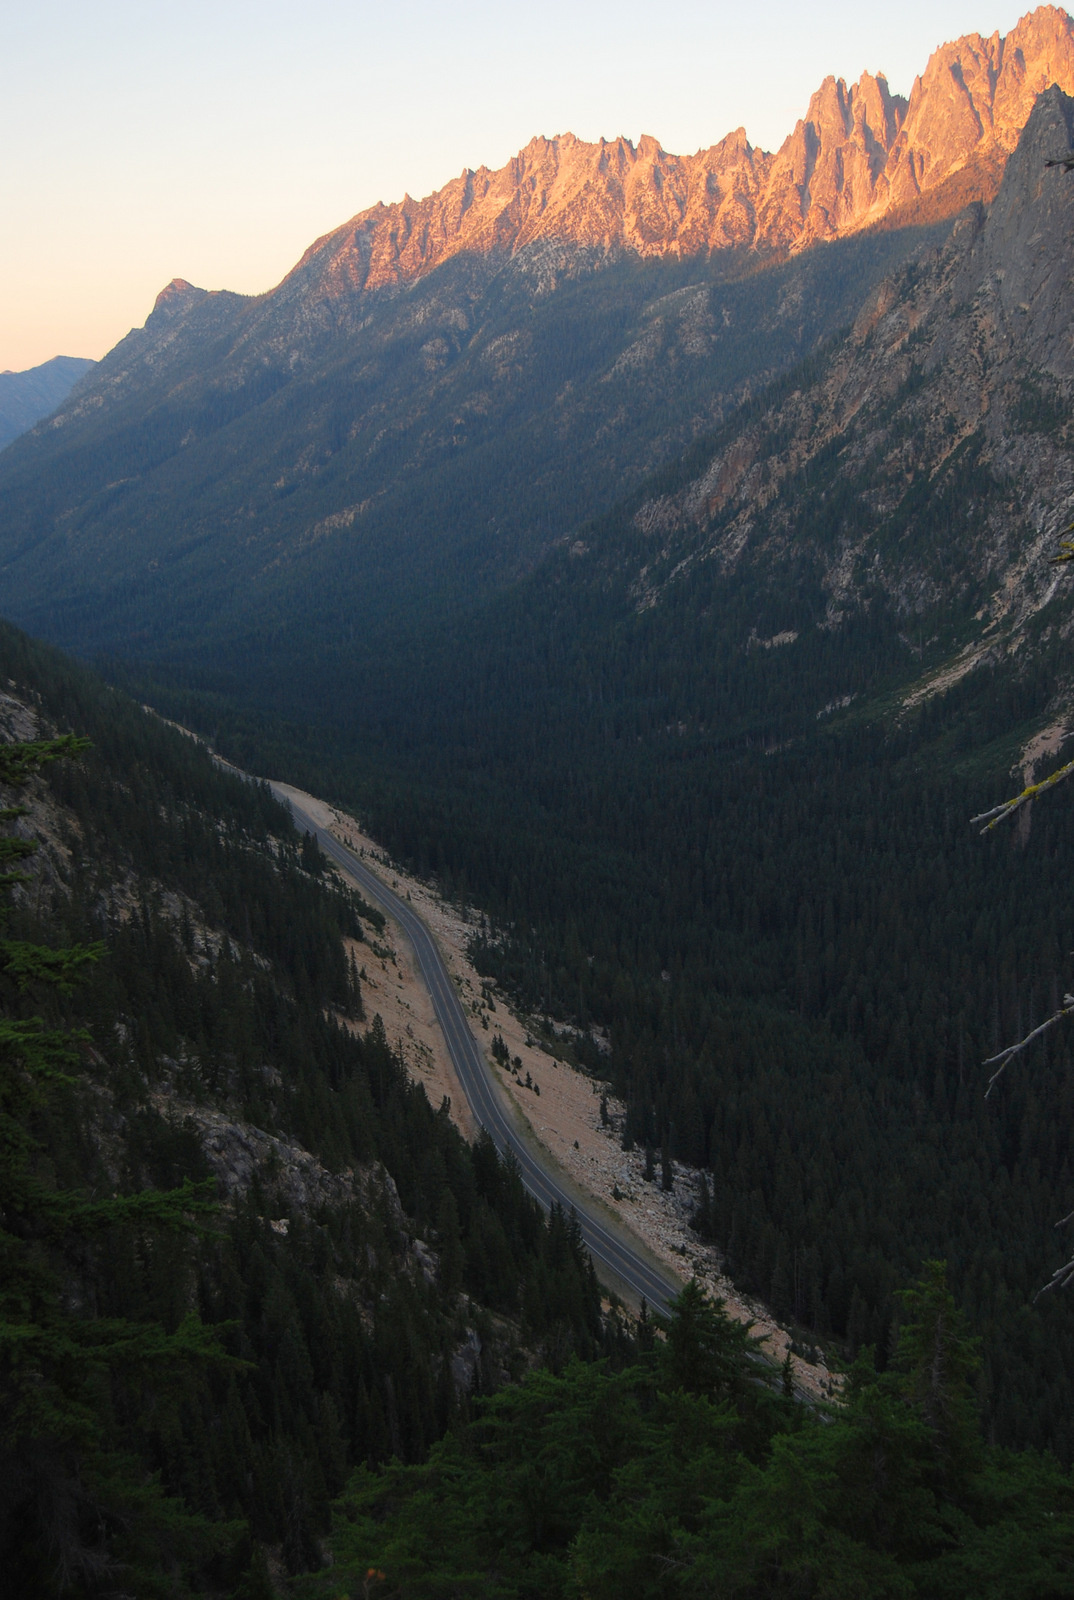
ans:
(250, 510)
(685, 1476)
(678, 617)
(799, 949)
(241, 1252)
(709, 770)
(26, 397)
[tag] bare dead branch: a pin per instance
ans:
(997, 814)
(1004, 1056)
(1059, 1280)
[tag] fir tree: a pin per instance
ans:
(71, 1494)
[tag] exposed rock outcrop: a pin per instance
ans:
(964, 364)
(859, 155)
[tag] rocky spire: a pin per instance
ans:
(859, 156)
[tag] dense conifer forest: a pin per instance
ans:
(685, 1474)
(190, 1365)
(753, 870)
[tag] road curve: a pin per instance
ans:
(615, 1261)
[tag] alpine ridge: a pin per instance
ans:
(860, 156)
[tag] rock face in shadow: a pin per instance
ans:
(953, 389)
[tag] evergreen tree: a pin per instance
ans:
(706, 1351)
(69, 1494)
(938, 1358)
(667, 1176)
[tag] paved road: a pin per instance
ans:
(615, 1261)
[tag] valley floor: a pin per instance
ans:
(564, 1117)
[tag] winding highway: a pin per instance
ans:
(617, 1264)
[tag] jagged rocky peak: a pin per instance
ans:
(860, 154)
(954, 358)
(174, 302)
(971, 104)
(176, 297)
(824, 177)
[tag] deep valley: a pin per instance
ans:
(656, 555)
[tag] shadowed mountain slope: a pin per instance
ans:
(204, 488)
(709, 768)
(26, 397)
(441, 389)
(705, 757)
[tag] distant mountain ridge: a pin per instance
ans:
(442, 390)
(861, 158)
(858, 156)
(26, 397)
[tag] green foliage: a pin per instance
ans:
(208, 981)
(938, 1358)
(706, 1351)
(54, 1419)
(599, 1485)
(764, 896)
(632, 794)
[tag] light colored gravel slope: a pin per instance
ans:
(564, 1115)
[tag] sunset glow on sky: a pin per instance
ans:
(215, 142)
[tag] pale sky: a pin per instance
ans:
(141, 141)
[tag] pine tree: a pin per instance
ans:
(667, 1176)
(75, 1493)
(706, 1351)
(938, 1359)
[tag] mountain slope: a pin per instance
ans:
(441, 388)
(26, 397)
(709, 768)
(679, 750)
(204, 487)
(219, 1045)
(955, 381)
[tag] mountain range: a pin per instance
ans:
(654, 550)
(441, 389)
(859, 157)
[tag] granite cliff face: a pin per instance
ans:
(859, 155)
(929, 461)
